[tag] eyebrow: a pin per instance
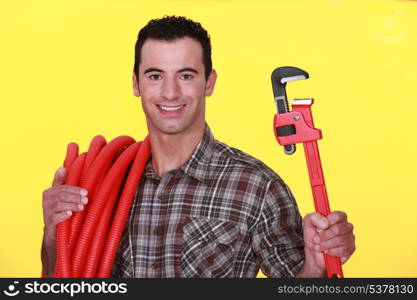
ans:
(152, 70)
(161, 71)
(188, 70)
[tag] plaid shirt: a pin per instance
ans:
(222, 214)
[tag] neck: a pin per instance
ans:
(171, 151)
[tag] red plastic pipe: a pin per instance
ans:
(87, 242)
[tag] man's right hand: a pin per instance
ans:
(59, 202)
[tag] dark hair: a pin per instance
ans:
(170, 28)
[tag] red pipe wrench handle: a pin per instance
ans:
(301, 118)
(318, 185)
(321, 202)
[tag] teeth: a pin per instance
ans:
(170, 108)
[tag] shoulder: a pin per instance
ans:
(237, 160)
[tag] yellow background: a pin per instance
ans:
(66, 76)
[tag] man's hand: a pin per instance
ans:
(332, 235)
(59, 201)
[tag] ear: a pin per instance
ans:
(135, 84)
(211, 82)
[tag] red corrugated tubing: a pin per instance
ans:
(87, 242)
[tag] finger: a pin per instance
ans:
(344, 259)
(71, 198)
(343, 251)
(315, 221)
(59, 217)
(310, 243)
(336, 230)
(337, 217)
(337, 241)
(65, 193)
(72, 190)
(316, 239)
(59, 177)
(64, 206)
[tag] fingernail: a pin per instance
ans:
(69, 213)
(61, 171)
(83, 192)
(316, 239)
(84, 200)
(80, 207)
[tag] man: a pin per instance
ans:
(202, 208)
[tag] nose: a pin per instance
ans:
(170, 90)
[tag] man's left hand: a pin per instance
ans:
(332, 235)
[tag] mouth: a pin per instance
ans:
(171, 110)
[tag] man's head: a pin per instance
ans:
(172, 28)
(173, 75)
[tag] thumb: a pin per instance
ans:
(315, 221)
(59, 177)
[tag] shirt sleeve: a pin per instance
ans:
(277, 238)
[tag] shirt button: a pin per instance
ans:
(211, 236)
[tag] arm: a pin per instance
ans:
(277, 238)
(287, 246)
(48, 256)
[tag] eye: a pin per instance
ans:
(155, 77)
(186, 76)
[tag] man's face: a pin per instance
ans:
(172, 85)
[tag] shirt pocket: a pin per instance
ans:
(208, 248)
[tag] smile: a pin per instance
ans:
(170, 108)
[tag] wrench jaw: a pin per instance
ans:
(280, 76)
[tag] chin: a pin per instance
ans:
(171, 129)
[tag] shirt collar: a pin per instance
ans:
(197, 165)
